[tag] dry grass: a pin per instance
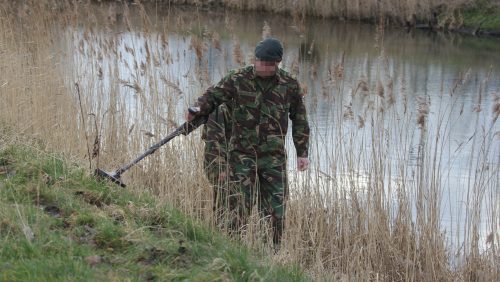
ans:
(97, 83)
(403, 12)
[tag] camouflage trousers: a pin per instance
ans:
(216, 171)
(258, 181)
(250, 181)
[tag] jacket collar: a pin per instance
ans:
(277, 76)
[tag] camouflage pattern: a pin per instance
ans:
(216, 134)
(259, 111)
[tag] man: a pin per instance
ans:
(260, 98)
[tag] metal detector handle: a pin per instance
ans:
(188, 127)
(184, 129)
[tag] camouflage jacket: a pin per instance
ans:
(259, 116)
(216, 134)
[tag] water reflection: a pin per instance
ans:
(365, 92)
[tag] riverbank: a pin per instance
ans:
(476, 18)
(59, 224)
(482, 20)
(401, 185)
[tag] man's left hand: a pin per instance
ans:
(302, 163)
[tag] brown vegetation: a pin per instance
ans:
(100, 85)
(401, 12)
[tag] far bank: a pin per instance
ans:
(480, 17)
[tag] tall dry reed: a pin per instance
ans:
(117, 82)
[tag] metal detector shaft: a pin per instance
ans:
(184, 129)
(151, 150)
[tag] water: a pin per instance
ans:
(456, 76)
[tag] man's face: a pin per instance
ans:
(265, 68)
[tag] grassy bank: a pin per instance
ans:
(482, 18)
(59, 224)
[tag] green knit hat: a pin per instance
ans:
(269, 49)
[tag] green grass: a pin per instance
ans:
(483, 15)
(482, 20)
(59, 224)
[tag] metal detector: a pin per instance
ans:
(184, 129)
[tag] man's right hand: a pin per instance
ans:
(192, 113)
